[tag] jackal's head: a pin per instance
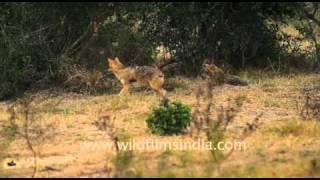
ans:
(115, 64)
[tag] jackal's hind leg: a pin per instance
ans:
(157, 86)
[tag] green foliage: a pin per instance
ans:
(36, 47)
(120, 36)
(169, 118)
(235, 33)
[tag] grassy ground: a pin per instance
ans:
(283, 146)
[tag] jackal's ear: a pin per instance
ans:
(117, 59)
(110, 60)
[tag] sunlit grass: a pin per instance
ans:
(280, 148)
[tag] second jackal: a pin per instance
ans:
(214, 73)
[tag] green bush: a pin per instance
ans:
(169, 118)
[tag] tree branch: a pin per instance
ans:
(88, 36)
(312, 16)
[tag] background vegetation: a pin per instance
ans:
(63, 47)
(42, 42)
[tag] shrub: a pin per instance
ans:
(169, 118)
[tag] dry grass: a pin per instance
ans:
(284, 146)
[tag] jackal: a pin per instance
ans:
(211, 71)
(141, 74)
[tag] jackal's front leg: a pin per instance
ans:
(124, 89)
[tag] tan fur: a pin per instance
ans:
(211, 71)
(141, 74)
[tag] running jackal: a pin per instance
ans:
(141, 74)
